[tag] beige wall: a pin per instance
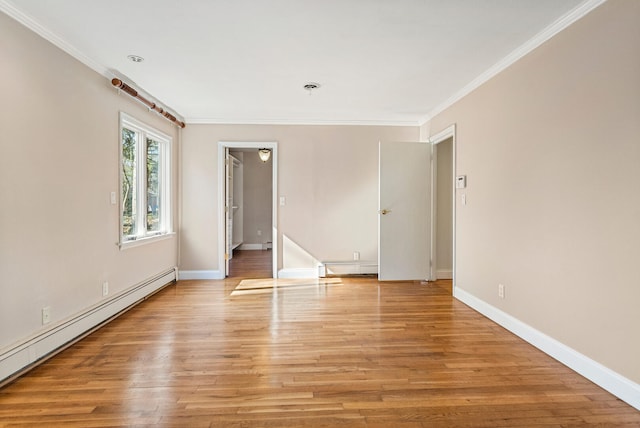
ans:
(551, 149)
(59, 163)
(328, 174)
(257, 199)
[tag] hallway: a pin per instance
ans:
(251, 264)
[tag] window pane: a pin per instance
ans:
(129, 194)
(153, 186)
(145, 182)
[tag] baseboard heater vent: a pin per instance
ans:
(348, 267)
(17, 359)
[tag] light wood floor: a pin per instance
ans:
(251, 264)
(341, 352)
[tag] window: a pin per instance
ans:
(145, 181)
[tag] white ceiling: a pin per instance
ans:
(246, 61)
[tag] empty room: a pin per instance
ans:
(285, 213)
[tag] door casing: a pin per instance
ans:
(222, 146)
(445, 134)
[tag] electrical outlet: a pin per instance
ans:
(46, 315)
(501, 291)
(259, 232)
(105, 288)
(356, 255)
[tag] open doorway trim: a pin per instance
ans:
(222, 145)
(445, 134)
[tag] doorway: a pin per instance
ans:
(443, 219)
(248, 244)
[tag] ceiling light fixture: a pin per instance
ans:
(264, 154)
(311, 86)
(135, 58)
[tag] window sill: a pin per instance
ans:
(146, 240)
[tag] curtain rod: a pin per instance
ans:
(153, 106)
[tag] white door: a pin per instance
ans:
(404, 248)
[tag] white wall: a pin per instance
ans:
(328, 174)
(551, 149)
(60, 146)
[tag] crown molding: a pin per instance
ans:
(232, 121)
(560, 24)
(35, 26)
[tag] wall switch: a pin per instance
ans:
(113, 198)
(259, 233)
(105, 288)
(356, 255)
(46, 315)
(501, 291)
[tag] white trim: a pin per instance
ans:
(559, 25)
(533, 43)
(53, 38)
(31, 350)
(222, 145)
(200, 274)
(445, 134)
(165, 178)
(433, 215)
(239, 121)
(444, 274)
(145, 240)
(298, 273)
(618, 385)
(251, 247)
(35, 26)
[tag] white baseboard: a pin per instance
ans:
(618, 385)
(444, 274)
(200, 274)
(20, 356)
(298, 273)
(250, 247)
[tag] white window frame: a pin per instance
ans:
(142, 236)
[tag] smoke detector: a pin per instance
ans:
(135, 58)
(311, 86)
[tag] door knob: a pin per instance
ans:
(385, 212)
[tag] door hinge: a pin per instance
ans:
(226, 256)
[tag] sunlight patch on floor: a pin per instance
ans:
(265, 286)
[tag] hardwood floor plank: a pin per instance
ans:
(251, 264)
(346, 352)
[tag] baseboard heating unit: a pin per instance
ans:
(20, 357)
(348, 267)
